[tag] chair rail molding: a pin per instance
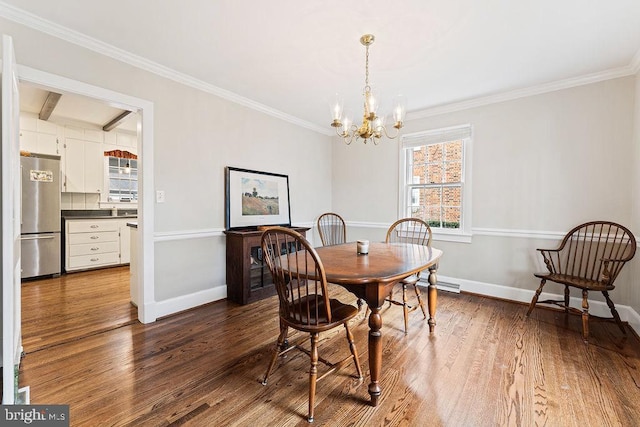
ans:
(204, 233)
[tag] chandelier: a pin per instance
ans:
(372, 127)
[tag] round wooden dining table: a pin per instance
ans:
(371, 277)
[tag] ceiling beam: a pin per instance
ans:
(49, 105)
(116, 121)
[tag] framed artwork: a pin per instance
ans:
(255, 198)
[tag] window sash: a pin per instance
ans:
(439, 136)
(410, 207)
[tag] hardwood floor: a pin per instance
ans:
(485, 365)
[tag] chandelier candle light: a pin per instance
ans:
(372, 127)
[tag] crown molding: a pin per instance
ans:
(615, 73)
(48, 27)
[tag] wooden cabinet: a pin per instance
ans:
(94, 243)
(248, 277)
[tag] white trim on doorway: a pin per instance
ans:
(146, 307)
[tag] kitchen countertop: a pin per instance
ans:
(97, 214)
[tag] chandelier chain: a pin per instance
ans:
(366, 67)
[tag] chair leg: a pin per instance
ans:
(614, 312)
(282, 338)
(313, 375)
(405, 308)
(534, 300)
(419, 296)
(566, 299)
(585, 315)
(354, 351)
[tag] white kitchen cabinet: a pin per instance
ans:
(29, 141)
(46, 127)
(83, 166)
(96, 243)
(125, 242)
(93, 167)
(48, 144)
(91, 243)
(36, 142)
(73, 165)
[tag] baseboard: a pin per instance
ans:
(185, 302)
(597, 308)
(445, 283)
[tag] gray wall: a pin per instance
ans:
(196, 134)
(541, 165)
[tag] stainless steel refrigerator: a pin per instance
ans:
(40, 222)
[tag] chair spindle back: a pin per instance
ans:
(298, 276)
(409, 230)
(332, 229)
(594, 251)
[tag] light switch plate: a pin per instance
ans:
(160, 196)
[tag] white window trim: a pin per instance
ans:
(464, 233)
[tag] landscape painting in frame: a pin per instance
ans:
(255, 198)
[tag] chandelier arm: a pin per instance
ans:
(384, 129)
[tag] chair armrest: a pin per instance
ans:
(548, 250)
(548, 259)
(609, 273)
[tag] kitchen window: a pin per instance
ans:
(435, 181)
(122, 177)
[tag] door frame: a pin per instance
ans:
(11, 219)
(145, 250)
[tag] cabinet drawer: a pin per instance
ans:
(92, 226)
(93, 248)
(80, 238)
(94, 260)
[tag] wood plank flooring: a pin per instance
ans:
(485, 365)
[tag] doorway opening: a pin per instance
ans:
(144, 110)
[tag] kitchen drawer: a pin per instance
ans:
(93, 248)
(92, 226)
(94, 260)
(81, 238)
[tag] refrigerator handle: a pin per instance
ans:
(37, 237)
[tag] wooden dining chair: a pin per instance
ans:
(409, 230)
(304, 302)
(589, 258)
(332, 229)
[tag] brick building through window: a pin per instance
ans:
(434, 176)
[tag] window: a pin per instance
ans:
(435, 188)
(123, 179)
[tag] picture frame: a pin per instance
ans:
(255, 198)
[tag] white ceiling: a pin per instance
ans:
(292, 56)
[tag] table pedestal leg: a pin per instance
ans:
(375, 354)
(432, 298)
